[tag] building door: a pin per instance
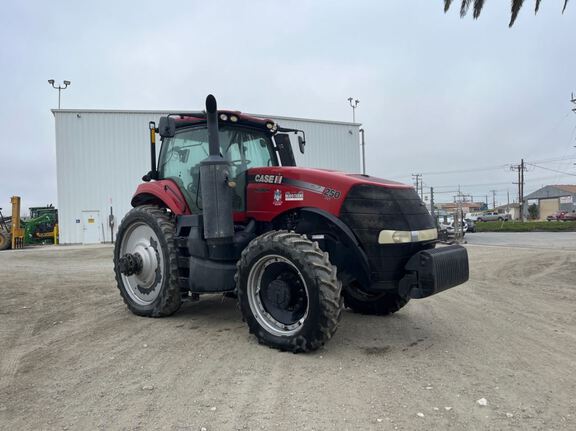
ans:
(548, 207)
(91, 227)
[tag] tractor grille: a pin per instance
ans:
(368, 209)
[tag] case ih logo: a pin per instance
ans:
(277, 197)
(268, 179)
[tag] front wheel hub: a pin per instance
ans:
(278, 295)
(130, 264)
(141, 263)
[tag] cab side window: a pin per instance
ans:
(180, 161)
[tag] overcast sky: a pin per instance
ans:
(436, 93)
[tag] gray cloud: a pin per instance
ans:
(437, 93)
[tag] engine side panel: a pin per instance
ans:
(272, 191)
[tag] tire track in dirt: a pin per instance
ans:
(14, 352)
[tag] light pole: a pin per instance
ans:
(354, 106)
(363, 144)
(59, 88)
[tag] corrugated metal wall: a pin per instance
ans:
(102, 155)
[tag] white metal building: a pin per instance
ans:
(101, 156)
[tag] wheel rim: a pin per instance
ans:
(278, 295)
(144, 286)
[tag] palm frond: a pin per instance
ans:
(537, 6)
(464, 8)
(516, 6)
(478, 5)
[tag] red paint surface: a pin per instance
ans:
(168, 192)
(260, 196)
(260, 202)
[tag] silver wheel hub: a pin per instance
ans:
(143, 286)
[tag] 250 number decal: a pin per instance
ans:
(331, 193)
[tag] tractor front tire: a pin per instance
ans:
(145, 262)
(374, 304)
(288, 292)
(5, 240)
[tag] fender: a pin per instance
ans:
(353, 259)
(163, 193)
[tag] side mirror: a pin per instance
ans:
(167, 127)
(301, 143)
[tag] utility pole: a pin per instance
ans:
(573, 100)
(432, 212)
(520, 168)
(493, 199)
(418, 183)
(486, 200)
(458, 222)
(421, 187)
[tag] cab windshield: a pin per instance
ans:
(244, 148)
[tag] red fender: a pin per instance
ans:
(163, 193)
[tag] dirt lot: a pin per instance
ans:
(73, 357)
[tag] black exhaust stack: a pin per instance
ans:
(216, 193)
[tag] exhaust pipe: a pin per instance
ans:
(216, 193)
(212, 124)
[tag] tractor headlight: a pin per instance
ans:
(234, 118)
(406, 236)
(224, 117)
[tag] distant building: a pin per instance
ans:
(553, 198)
(512, 209)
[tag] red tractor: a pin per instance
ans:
(226, 210)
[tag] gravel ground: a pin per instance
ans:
(73, 357)
(537, 240)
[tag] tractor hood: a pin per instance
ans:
(325, 176)
(274, 190)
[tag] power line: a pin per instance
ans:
(461, 171)
(553, 170)
(494, 167)
(501, 183)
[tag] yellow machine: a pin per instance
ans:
(40, 228)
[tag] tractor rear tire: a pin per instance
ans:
(288, 292)
(5, 240)
(377, 305)
(153, 291)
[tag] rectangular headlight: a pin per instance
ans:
(406, 236)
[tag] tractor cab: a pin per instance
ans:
(244, 142)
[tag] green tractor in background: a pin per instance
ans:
(41, 227)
